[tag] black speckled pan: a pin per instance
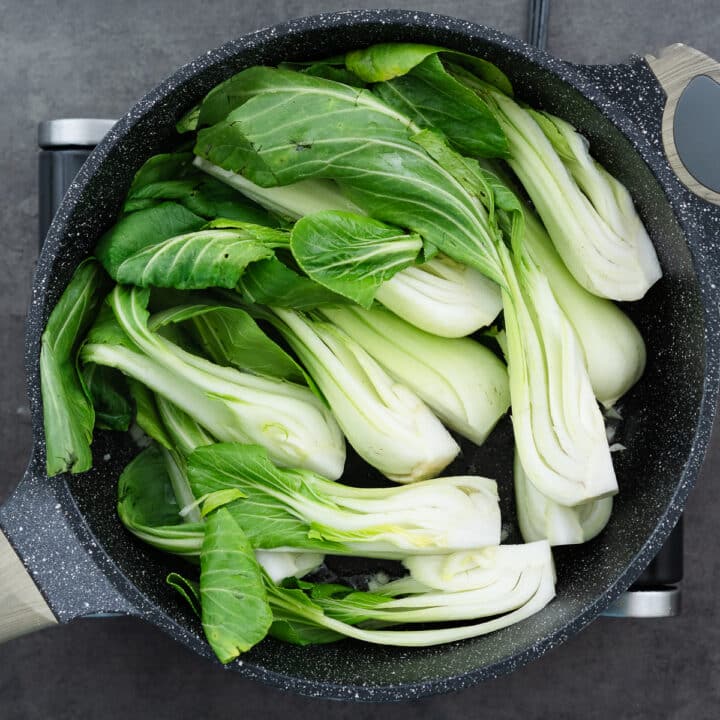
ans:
(65, 529)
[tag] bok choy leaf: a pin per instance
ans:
(352, 255)
(235, 611)
(68, 412)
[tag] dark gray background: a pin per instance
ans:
(78, 58)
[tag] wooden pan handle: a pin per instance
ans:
(22, 608)
(675, 66)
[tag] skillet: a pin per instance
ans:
(63, 552)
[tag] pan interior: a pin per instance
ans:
(660, 414)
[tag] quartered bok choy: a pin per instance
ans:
(312, 272)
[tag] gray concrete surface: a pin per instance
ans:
(77, 58)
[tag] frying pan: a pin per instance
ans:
(63, 552)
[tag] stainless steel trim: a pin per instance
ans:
(665, 602)
(82, 132)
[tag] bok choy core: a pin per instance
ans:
(461, 381)
(387, 424)
(312, 269)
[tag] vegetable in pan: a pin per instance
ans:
(313, 269)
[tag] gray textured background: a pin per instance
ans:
(78, 58)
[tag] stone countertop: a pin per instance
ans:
(82, 58)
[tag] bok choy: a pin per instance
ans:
(439, 295)
(389, 426)
(460, 380)
(418, 170)
(309, 272)
(283, 510)
(541, 518)
(288, 419)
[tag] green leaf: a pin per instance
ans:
(336, 74)
(482, 183)
(189, 589)
(230, 336)
(350, 254)
(272, 282)
(148, 508)
(197, 260)
(110, 396)
(320, 130)
(147, 415)
(142, 229)
(232, 93)
(145, 495)
(215, 500)
(173, 177)
(386, 61)
(68, 413)
(296, 618)
(266, 514)
(161, 168)
(235, 610)
(435, 100)
(188, 122)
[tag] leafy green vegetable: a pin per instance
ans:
(271, 281)
(298, 509)
(507, 584)
(435, 99)
(230, 336)
(386, 423)
(290, 201)
(559, 431)
(188, 122)
(68, 413)
(461, 381)
(148, 508)
(133, 233)
(147, 415)
(288, 419)
(351, 255)
(165, 167)
(215, 257)
(442, 297)
(320, 131)
(385, 61)
(173, 177)
(612, 345)
(110, 397)
(235, 610)
(331, 72)
(184, 433)
(589, 215)
(189, 589)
